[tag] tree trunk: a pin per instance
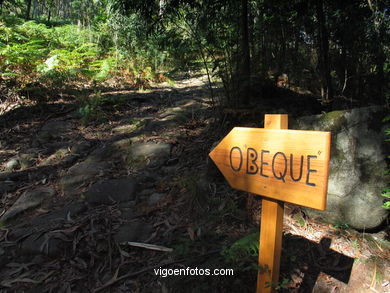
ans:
(323, 50)
(245, 70)
(28, 9)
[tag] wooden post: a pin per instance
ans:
(244, 158)
(271, 227)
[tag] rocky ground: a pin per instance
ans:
(97, 206)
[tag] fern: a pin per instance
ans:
(243, 249)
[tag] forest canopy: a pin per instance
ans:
(336, 50)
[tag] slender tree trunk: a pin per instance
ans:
(245, 70)
(28, 9)
(323, 48)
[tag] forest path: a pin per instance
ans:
(75, 195)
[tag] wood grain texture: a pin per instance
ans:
(271, 227)
(268, 162)
(270, 246)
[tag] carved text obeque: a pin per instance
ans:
(280, 164)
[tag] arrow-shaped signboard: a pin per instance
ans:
(287, 165)
(282, 165)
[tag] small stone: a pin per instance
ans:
(12, 164)
(156, 197)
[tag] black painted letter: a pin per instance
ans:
(231, 161)
(291, 168)
(262, 163)
(310, 170)
(282, 175)
(251, 157)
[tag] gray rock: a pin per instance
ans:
(155, 198)
(12, 164)
(29, 199)
(83, 172)
(148, 154)
(27, 160)
(150, 149)
(357, 167)
(22, 161)
(111, 191)
(56, 157)
(136, 231)
(125, 144)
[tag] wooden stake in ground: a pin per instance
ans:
(271, 228)
(283, 166)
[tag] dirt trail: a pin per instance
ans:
(76, 197)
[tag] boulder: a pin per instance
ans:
(357, 174)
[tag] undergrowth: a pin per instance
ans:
(32, 53)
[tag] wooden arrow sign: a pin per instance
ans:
(282, 165)
(287, 165)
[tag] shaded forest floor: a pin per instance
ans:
(78, 197)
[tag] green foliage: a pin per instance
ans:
(278, 286)
(104, 68)
(243, 253)
(300, 220)
(31, 51)
(343, 226)
(386, 194)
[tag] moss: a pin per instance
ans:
(333, 120)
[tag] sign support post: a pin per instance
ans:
(271, 226)
(282, 165)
